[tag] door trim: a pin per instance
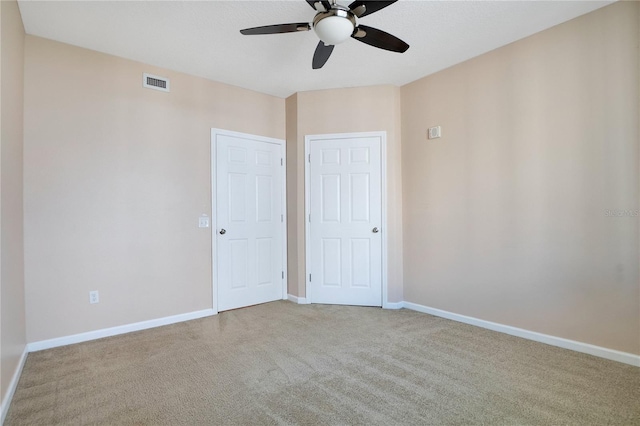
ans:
(307, 204)
(214, 226)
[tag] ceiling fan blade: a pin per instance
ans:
(324, 3)
(321, 54)
(277, 29)
(362, 8)
(380, 39)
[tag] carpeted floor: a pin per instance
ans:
(282, 363)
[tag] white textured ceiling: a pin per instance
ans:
(202, 37)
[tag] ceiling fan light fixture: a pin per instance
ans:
(334, 24)
(334, 27)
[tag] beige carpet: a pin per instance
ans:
(282, 363)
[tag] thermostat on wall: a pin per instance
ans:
(434, 132)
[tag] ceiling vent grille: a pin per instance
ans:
(151, 81)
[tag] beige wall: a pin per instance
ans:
(295, 274)
(12, 317)
(505, 215)
(363, 109)
(115, 178)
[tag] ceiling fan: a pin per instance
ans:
(334, 24)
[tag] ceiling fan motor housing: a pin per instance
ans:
(335, 25)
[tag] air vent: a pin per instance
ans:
(151, 81)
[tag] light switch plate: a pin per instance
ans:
(203, 221)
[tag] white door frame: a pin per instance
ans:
(307, 204)
(214, 225)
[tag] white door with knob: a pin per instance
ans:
(344, 219)
(249, 232)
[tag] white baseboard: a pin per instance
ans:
(113, 331)
(298, 300)
(573, 345)
(6, 401)
(392, 305)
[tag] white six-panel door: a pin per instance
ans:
(345, 220)
(249, 220)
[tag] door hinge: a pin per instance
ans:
(309, 217)
(283, 275)
(281, 218)
(281, 163)
(309, 157)
(309, 277)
